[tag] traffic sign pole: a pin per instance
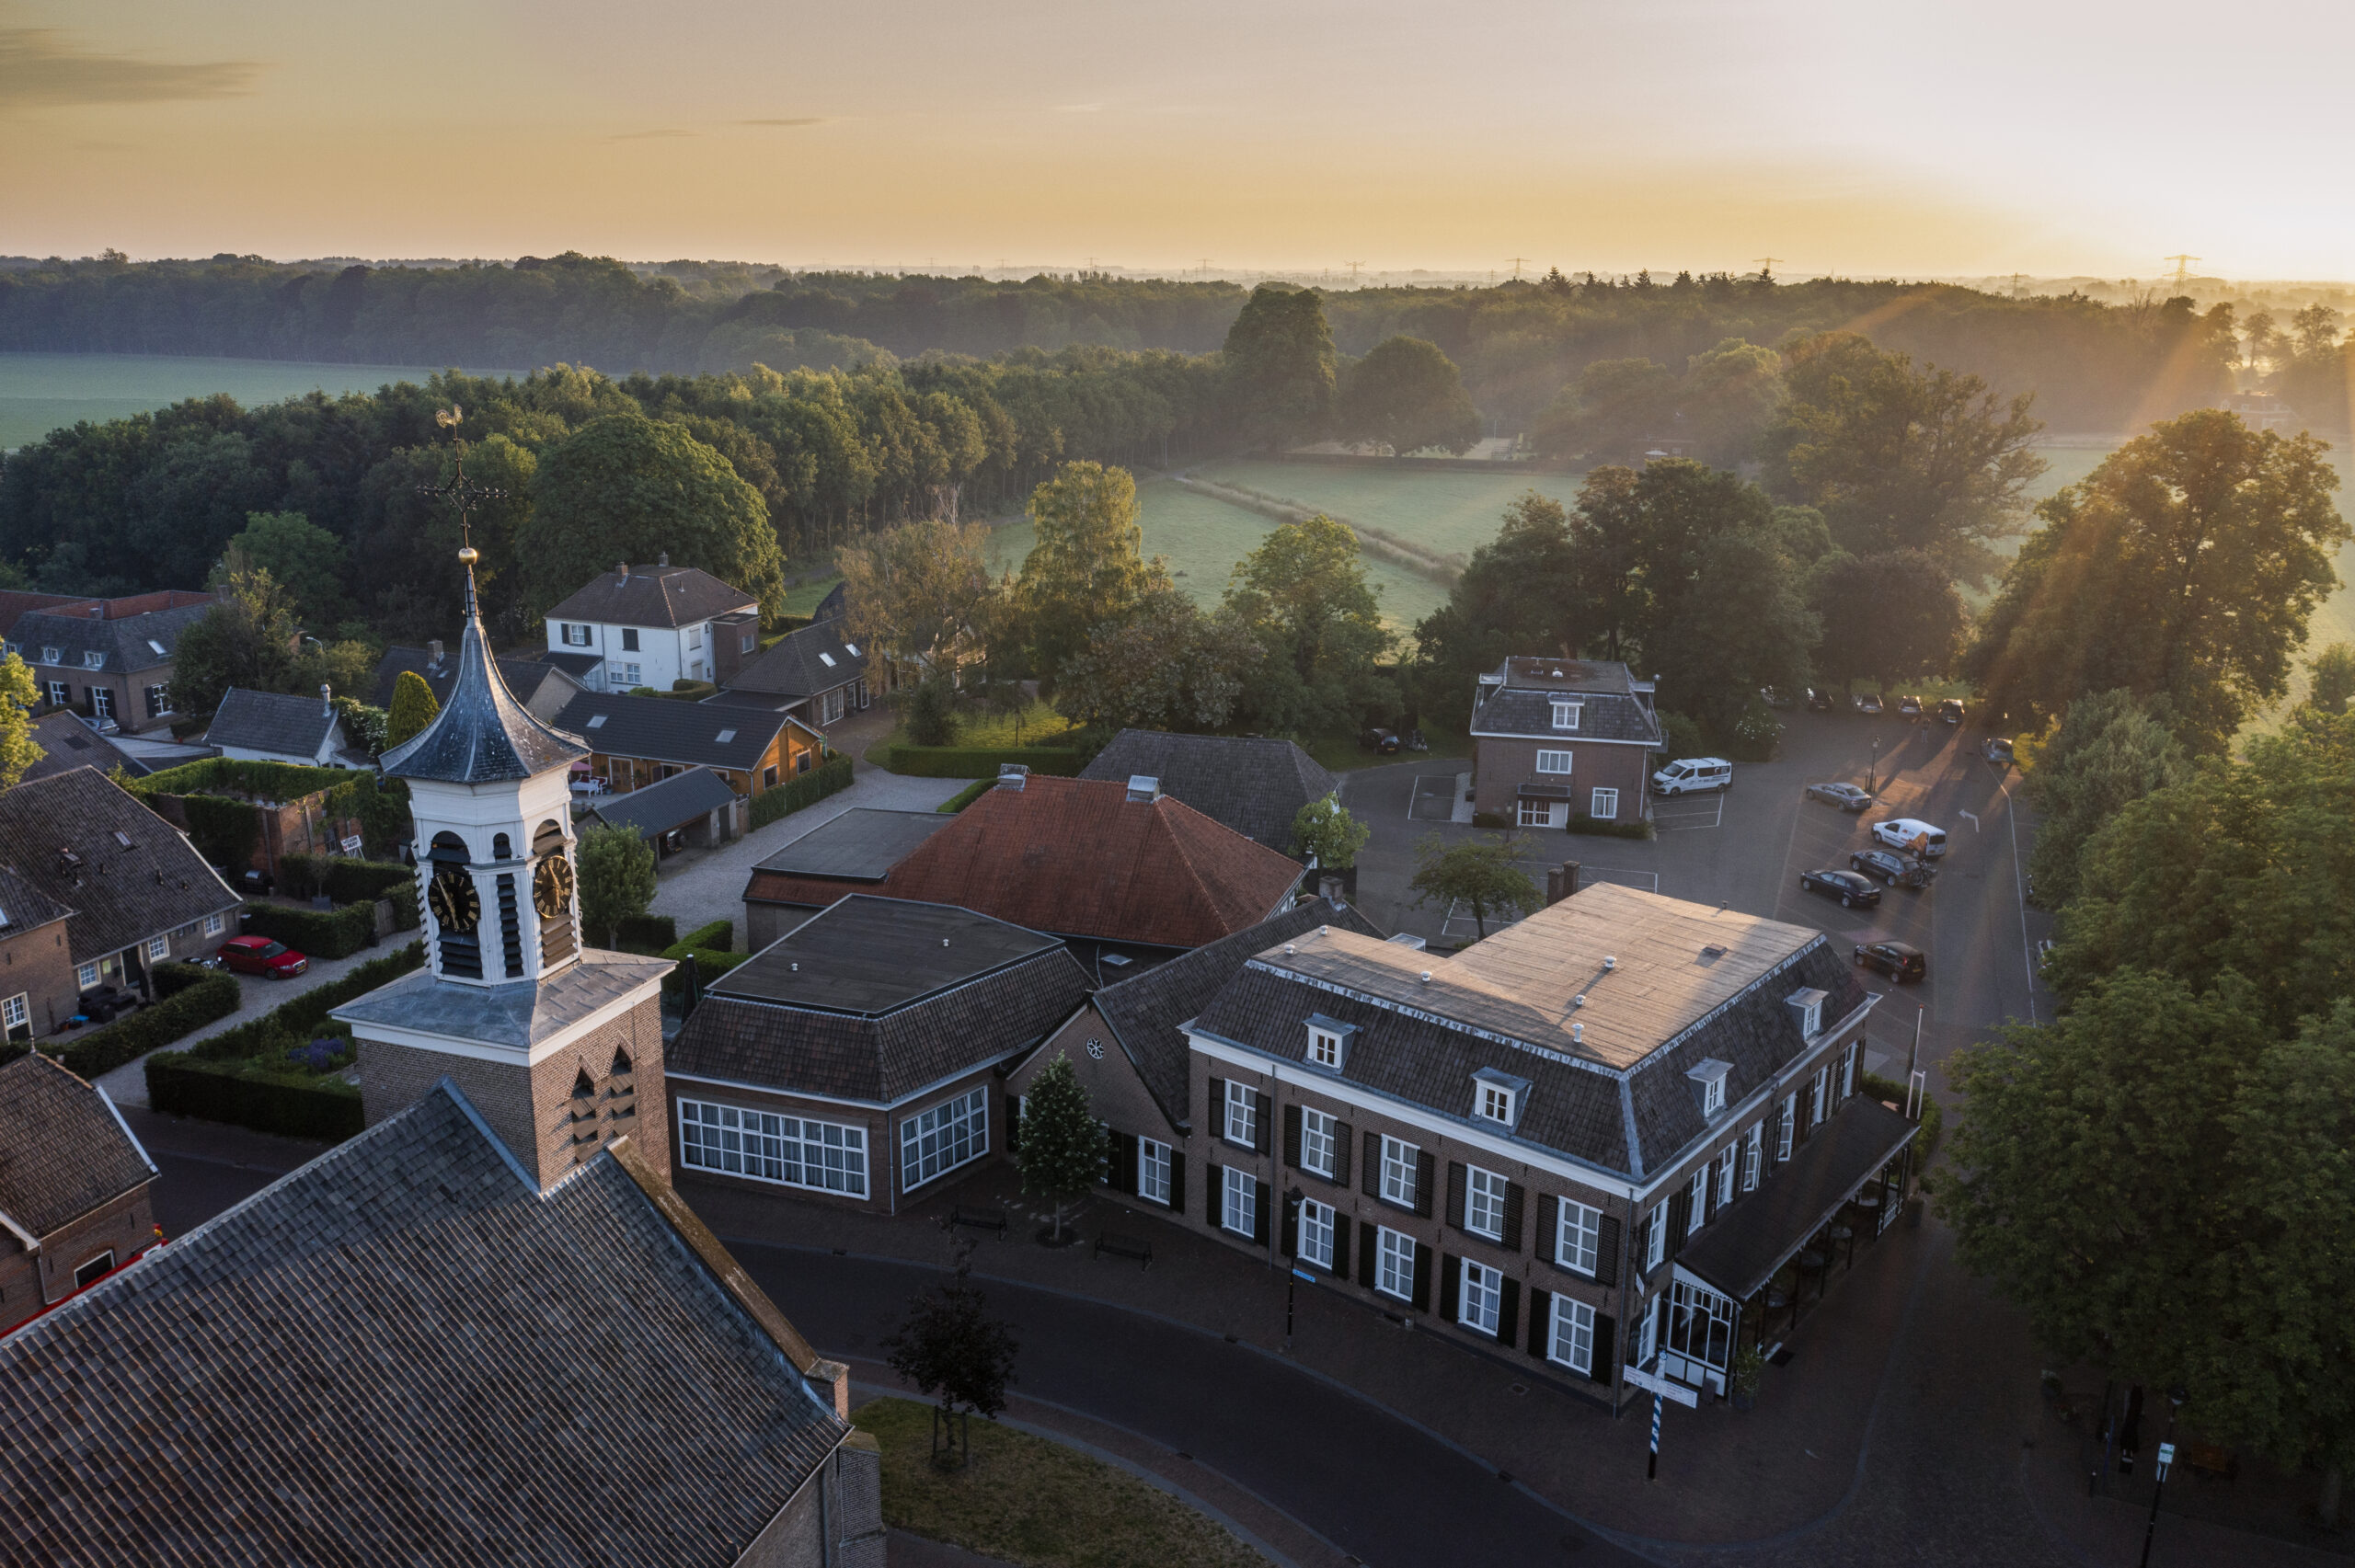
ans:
(1651, 1466)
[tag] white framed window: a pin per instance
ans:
(1495, 1101)
(1566, 714)
(1484, 1204)
(1604, 807)
(949, 1135)
(1817, 1093)
(1570, 1339)
(1242, 1120)
(1479, 1297)
(1399, 1172)
(1696, 1201)
(1152, 1169)
(1541, 813)
(212, 924)
(93, 659)
(1848, 1069)
(1725, 1175)
(1753, 1152)
(1713, 1095)
(1394, 1271)
(16, 1011)
(102, 702)
(1656, 1237)
(59, 694)
(50, 655)
(1315, 1241)
(1240, 1210)
(1323, 1048)
(1648, 1340)
(1553, 762)
(575, 634)
(159, 701)
(1789, 1129)
(1578, 1237)
(1319, 1142)
(768, 1147)
(623, 676)
(694, 637)
(831, 706)
(158, 949)
(86, 976)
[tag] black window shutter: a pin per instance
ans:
(1509, 1313)
(1541, 1319)
(1606, 1250)
(1122, 1173)
(1369, 1251)
(1262, 1192)
(1422, 1298)
(1262, 1120)
(1455, 1192)
(1426, 1178)
(1373, 1164)
(1292, 1136)
(1598, 1368)
(1291, 1230)
(1214, 1199)
(1680, 1214)
(1450, 1274)
(1515, 1199)
(1341, 1136)
(1216, 1110)
(1549, 1226)
(1176, 1181)
(1013, 1123)
(1342, 1246)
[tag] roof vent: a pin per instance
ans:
(1610, 963)
(795, 967)
(1427, 977)
(1577, 1034)
(1714, 950)
(1144, 787)
(433, 654)
(623, 570)
(944, 941)
(1579, 1000)
(1010, 775)
(1558, 675)
(1288, 949)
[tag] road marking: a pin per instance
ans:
(1715, 818)
(1972, 815)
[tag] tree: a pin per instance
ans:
(628, 489)
(2332, 678)
(1167, 666)
(615, 878)
(929, 710)
(1727, 398)
(1087, 566)
(1407, 394)
(1483, 872)
(413, 708)
(1323, 830)
(2187, 565)
(1062, 1150)
(2111, 749)
(1741, 624)
(1303, 597)
(365, 727)
(246, 639)
(1279, 366)
(1524, 591)
(18, 751)
(306, 559)
(1900, 459)
(1613, 411)
(1894, 618)
(955, 1354)
(922, 593)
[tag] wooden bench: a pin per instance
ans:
(1133, 1247)
(978, 1219)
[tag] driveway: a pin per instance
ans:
(127, 1084)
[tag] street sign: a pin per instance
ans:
(1303, 1276)
(2166, 1457)
(1659, 1383)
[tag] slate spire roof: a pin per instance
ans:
(482, 733)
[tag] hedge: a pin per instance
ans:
(966, 797)
(719, 936)
(382, 806)
(710, 965)
(171, 979)
(318, 934)
(979, 761)
(151, 1027)
(302, 1015)
(1608, 828)
(647, 935)
(804, 789)
(344, 880)
(326, 1109)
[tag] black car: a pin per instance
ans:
(1819, 701)
(1384, 741)
(1894, 870)
(1900, 961)
(1846, 886)
(1867, 703)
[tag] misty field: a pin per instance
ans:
(40, 393)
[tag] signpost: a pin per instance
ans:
(1663, 1388)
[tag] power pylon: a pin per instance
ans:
(2182, 267)
(1766, 264)
(1354, 267)
(1518, 263)
(1204, 265)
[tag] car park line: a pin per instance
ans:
(1715, 815)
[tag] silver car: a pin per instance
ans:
(1846, 796)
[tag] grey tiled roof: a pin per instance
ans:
(795, 665)
(62, 1152)
(689, 734)
(1144, 1014)
(482, 734)
(24, 907)
(660, 807)
(1256, 787)
(1799, 1199)
(120, 894)
(67, 743)
(404, 1354)
(125, 641)
(271, 721)
(540, 682)
(653, 596)
(523, 1013)
(1600, 717)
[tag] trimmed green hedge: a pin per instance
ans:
(315, 933)
(979, 761)
(254, 781)
(326, 1109)
(1608, 828)
(344, 880)
(127, 1039)
(171, 979)
(710, 965)
(827, 778)
(647, 935)
(719, 937)
(966, 797)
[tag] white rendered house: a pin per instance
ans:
(651, 626)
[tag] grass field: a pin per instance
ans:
(39, 393)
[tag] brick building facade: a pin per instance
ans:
(1554, 739)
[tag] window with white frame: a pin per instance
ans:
(1696, 1201)
(1789, 1129)
(1240, 1210)
(831, 706)
(16, 1013)
(1578, 1237)
(1848, 1070)
(101, 702)
(623, 676)
(1570, 1342)
(1816, 1095)
(94, 658)
(943, 1138)
(1753, 1151)
(86, 976)
(1495, 1101)
(1553, 762)
(1319, 1142)
(770, 1147)
(1479, 1297)
(575, 634)
(159, 701)
(1393, 1272)
(1725, 1175)
(1323, 1048)
(1399, 1172)
(1484, 1204)
(1712, 1094)
(1566, 714)
(158, 949)
(694, 637)
(1315, 1241)
(1656, 1237)
(59, 694)
(1242, 1114)
(1152, 1169)
(212, 924)
(51, 656)
(1605, 805)
(1537, 813)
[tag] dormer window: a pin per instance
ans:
(1497, 1096)
(1710, 1078)
(94, 659)
(51, 655)
(1329, 1042)
(1807, 1006)
(1496, 1103)
(1566, 714)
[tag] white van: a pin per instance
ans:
(1688, 774)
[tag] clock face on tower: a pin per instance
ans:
(552, 885)
(451, 897)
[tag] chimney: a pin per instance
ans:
(1011, 774)
(623, 570)
(1144, 787)
(1561, 881)
(663, 560)
(1329, 889)
(433, 654)
(326, 700)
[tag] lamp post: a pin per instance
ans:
(1872, 775)
(2175, 1397)
(1293, 1196)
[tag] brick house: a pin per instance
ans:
(74, 1204)
(109, 659)
(37, 988)
(1558, 738)
(817, 674)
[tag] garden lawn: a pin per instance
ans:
(805, 599)
(1042, 726)
(1034, 1502)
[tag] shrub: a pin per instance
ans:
(318, 934)
(326, 1109)
(827, 778)
(343, 879)
(979, 761)
(1608, 828)
(225, 833)
(1680, 737)
(929, 710)
(1492, 820)
(719, 936)
(710, 963)
(647, 935)
(171, 980)
(216, 995)
(966, 797)
(687, 690)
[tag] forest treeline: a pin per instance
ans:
(2094, 367)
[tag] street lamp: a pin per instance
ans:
(1872, 775)
(2175, 1397)
(1293, 1196)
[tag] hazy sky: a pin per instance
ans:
(2053, 137)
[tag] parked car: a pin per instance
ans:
(1950, 710)
(1846, 886)
(1900, 961)
(1819, 701)
(1384, 741)
(255, 883)
(1998, 748)
(1773, 698)
(1908, 707)
(1688, 774)
(1846, 796)
(261, 955)
(1867, 703)
(1911, 833)
(1894, 871)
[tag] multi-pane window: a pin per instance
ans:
(1152, 1169)
(1656, 1238)
(830, 705)
(1725, 1175)
(944, 1137)
(158, 949)
(1325, 1047)
(101, 702)
(1816, 1095)
(1479, 1297)
(86, 976)
(1553, 762)
(159, 701)
(1696, 1201)
(212, 924)
(1496, 1103)
(59, 694)
(1566, 716)
(1713, 1095)
(1240, 1211)
(1578, 1237)
(1399, 1172)
(623, 676)
(768, 1147)
(575, 634)
(1242, 1114)
(1789, 1129)
(94, 658)
(1484, 1204)
(16, 1011)
(1571, 1342)
(1316, 1244)
(1319, 1142)
(1393, 1273)
(1537, 813)
(1606, 805)
(1753, 1150)
(1848, 1070)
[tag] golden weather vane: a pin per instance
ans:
(461, 492)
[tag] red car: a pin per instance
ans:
(261, 955)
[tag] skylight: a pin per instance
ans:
(157, 646)
(122, 838)
(853, 650)
(597, 721)
(723, 737)
(827, 659)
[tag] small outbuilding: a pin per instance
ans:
(696, 808)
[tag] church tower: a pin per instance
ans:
(558, 1045)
